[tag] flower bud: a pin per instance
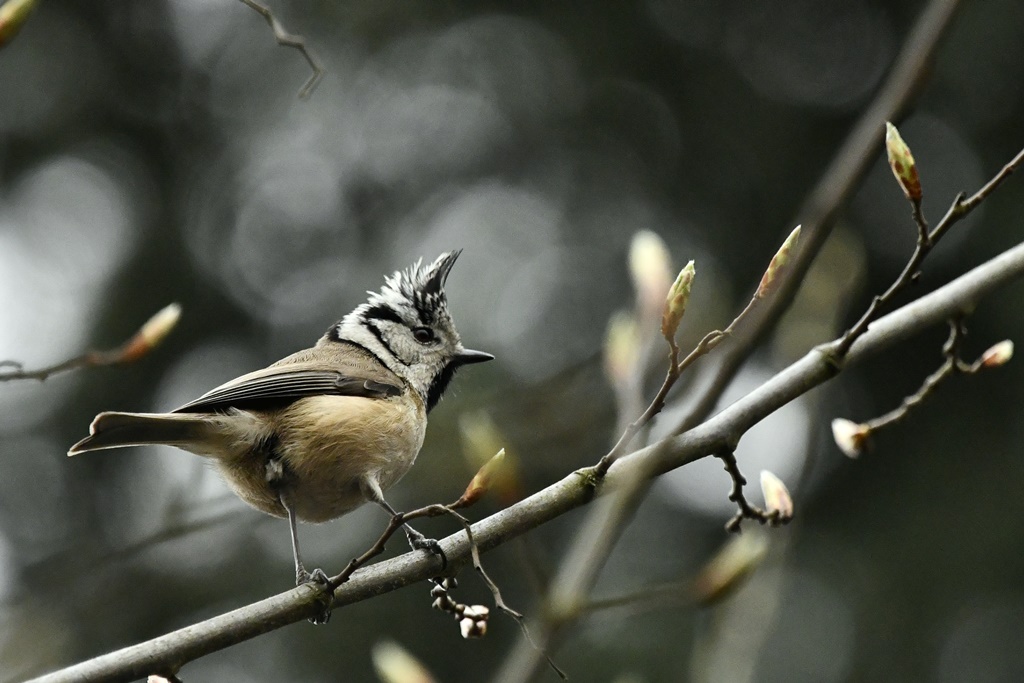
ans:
(998, 355)
(776, 497)
(473, 621)
(13, 14)
(901, 161)
(477, 612)
(394, 664)
(777, 263)
(850, 436)
(473, 629)
(728, 569)
(481, 481)
(481, 439)
(151, 333)
(675, 305)
(649, 266)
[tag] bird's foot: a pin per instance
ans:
(321, 583)
(420, 542)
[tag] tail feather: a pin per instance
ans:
(114, 430)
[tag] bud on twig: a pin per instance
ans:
(12, 17)
(481, 482)
(901, 161)
(394, 664)
(777, 500)
(997, 355)
(727, 570)
(473, 623)
(649, 266)
(151, 333)
(675, 305)
(850, 436)
(777, 263)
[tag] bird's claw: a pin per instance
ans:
(420, 542)
(322, 583)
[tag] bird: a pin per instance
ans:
(329, 428)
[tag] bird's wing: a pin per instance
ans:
(278, 385)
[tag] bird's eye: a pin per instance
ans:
(424, 335)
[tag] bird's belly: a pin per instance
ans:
(328, 447)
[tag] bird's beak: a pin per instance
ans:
(467, 356)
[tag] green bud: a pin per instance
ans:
(901, 161)
(675, 305)
(778, 262)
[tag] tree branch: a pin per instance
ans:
(169, 652)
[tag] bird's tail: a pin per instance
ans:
(114, 430)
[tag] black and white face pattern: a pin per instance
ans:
(407, 326)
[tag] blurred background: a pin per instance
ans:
(154, 151)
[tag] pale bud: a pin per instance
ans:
(850, 436)
(675, 304)
(651, 270)
(777, 263)
(473, 620)
(477, 612)
(12, 17)
(394, 664)
(155, 678)
(727, 570)
(998, 355)
(481, 439)
(901, 161)
(621, 348)
(481, 481)
(473, 629)
(151, 333)
(776, 496)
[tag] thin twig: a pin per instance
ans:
(394, 524)
(292, 40)
(652, 597)
(675, 370)
(962, 205)
(657, 403)
(499, 601)
(959, 210)
(145, 339)
(744, 509)
(922, 223)
(952, 365)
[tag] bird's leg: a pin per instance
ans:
(276, 478)
(416, 540)
(301, 575)
(317, 577)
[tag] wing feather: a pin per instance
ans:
(281, 385)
